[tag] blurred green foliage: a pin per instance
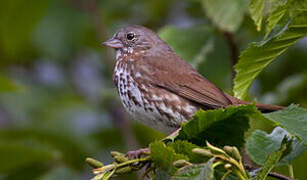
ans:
(57, 102)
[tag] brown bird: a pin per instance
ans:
(158, 87)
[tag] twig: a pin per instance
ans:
(234, 50)
(132, 161)
(115, 166)
(279, 176)
(226, 174)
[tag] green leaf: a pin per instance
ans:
(293, 119)
(259, 55)
(226, 15)
(221, 127)
(297, 148)
(284, 11)
(260, 145)
(6, 85)
(184, 147)
(275, 18)
(16, 156)
(192, 44)
(270, 162)
(256, 8)
(276, 11)
(297, 6)
(195, 172)
(164, 156)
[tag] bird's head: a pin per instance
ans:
(133, 39)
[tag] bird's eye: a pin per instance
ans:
(130, 36)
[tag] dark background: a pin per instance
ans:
(57, 101)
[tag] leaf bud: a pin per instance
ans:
(115, 153)
(120, 159)
(228, 149)
(93, 162)
(236, 154)
(227, 166)
(181, 163)
(215, 149)
(123, 170)
(202, 152)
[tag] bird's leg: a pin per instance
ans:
(146, 151)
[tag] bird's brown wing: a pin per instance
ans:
(175, 75)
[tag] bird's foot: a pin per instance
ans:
(138, 153)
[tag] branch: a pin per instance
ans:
(279, 176)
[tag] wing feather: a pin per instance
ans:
(181, 79)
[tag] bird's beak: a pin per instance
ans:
(114, 43)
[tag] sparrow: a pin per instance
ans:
(158, 87)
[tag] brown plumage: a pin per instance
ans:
(157, 86)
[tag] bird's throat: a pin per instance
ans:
(123, 52)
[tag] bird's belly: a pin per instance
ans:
(146, 110)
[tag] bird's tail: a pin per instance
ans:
(265, 108)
